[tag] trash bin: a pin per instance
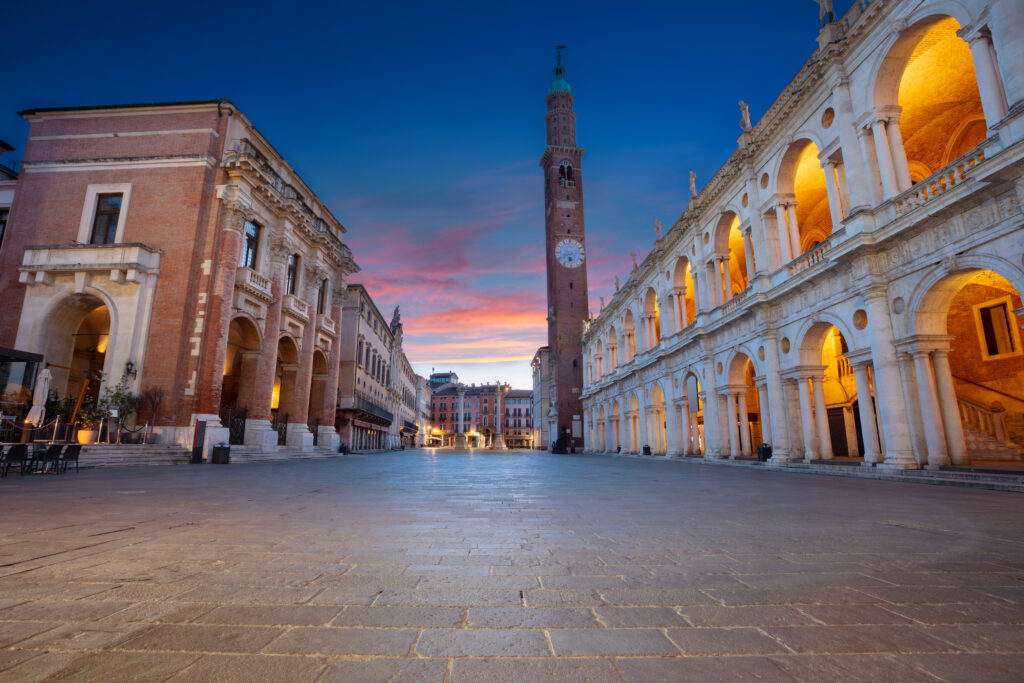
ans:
(647, 450)
(343, 449)
(221, 454)
(764, 452)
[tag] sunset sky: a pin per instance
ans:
(421, 124)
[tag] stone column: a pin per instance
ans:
(990, 87)
(627, 422)
(748, 253)
(258, 430)
(761, 246)
(934, 432)
(764, 413)
(893, 414)
(744, 421)
(899, 153)
(299, 435)
(685, 424)
(806, 419)
(700, 447)
(680, 293)
(784, 246)
(871, 167)
(247, 379)
(328, 436)
(883, 153)
(794, 229)
(834, 205)
(713, 446)
(868, 427)
(460, 436)
(498, 440)
(821, 419)
(727, 274)
(912, 404)
(781, 447)
(217, 323)
(948, 406)
(718, 287)
(673, 429)
(854, 161)
(734, 444)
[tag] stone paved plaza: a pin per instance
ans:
(454, 566)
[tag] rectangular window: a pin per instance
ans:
(104, 222)
(252, 243)
(996, 330)
(4, 213)
(293, 274)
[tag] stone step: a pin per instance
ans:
(968, 474)
(981, 446)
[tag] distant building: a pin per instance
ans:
(439, 379)
(518, 407)
(492, 415)
(8, 182)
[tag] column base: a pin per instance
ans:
(498, 443)
(328, 437)
(898, 461)
(259, 434)
(215, 433)
(299, 437)
(460, 441)
(779, 459)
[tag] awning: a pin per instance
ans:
(366, 425)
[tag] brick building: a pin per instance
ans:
(171, 244)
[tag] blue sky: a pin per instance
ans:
(420, 125)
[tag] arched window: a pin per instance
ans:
(565, 178)
(293, 274)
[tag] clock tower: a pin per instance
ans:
(566, 262)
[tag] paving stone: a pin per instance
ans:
(534, 617)
(247, 668)
(516, 670)
(853, 614)
(980, 637)
(652, 597)
(850, 639)
(639, 617)
(482, 643)
(991, 668)
(125, 666)
(346, 596)
(524, 583)
(12, 632)
(451, 598)
(400, 617)
(674, 669)
(610, 642)
(852, 668)
(269, 615)
(80, 636)
(69, 610)
(723, 641)
(562, 598)
(391, 670)
(344, 641)
(750, 615)
(200, 638)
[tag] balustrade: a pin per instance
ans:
(938, 183)
(809, 258)
(984, 419)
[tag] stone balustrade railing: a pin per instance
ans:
(809, 258)
(938, 183)
(984, 419)
(325, 324)
(247, 278)
(293, 304)
(124, 262)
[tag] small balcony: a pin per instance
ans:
(254, 284)
(127, 263)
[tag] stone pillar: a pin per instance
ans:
(806, 419)
(821, 419)
(247, 380)
(834, 205)
(899, 153)
(498, 440)
(855, 163)
(217, 322)
(713, 446)
(299, 435)
(794, 230)
(744, 421)
(718, 287)
(730, 410)
(680, 293)
(762, 257)
(990, 87)
(868, 426)
(934, 432)
(685, 428)
(748, 253)
(727, 274)
(258, 430)
(764, 412)
(673, 429)
(950, 409)
(883, 153)
(893, 414)
(784, 246)
(911, 403)
(781, 446)
(1006, 18)
(871, 166)
(460, 436)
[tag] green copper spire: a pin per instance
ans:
(558, 83)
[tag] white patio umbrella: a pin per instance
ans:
(38, 412)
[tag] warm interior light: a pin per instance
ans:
(275, 397)
(101, 345)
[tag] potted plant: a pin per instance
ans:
(90, 415)
(120, 398)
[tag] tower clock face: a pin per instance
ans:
(569, 253)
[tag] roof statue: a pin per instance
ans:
(826, 15)
(616, 283)
(657, 228)
(396, 318)
(602, 302)
(693, 184)
(633, 254)
(744, 116)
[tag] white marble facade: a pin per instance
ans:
(831, 257)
